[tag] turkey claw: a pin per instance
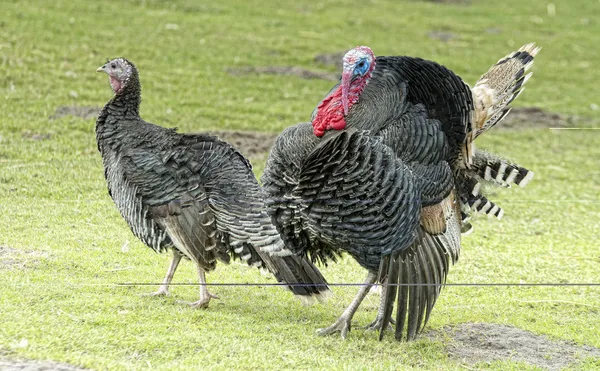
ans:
(376, 325)
(160, 292)
(342, 325)
(203, 302)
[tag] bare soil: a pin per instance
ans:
(250, 143)
(463, 2)
(84, 112)
(286, 71)
(443, 36)
(534, 117)
(472, 343)
(331, 59)
(31, 135)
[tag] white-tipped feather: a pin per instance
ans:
(526, 179)
(500, 174)
(500, 214)
(306, 300)
(485, 207)
(488, 173)
(467, 232)
(476, 189)
(512, 176)
(323, 296)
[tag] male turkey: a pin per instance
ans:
(192, 193)
(383, 171)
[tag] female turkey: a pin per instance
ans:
(383, 170)
(191, 193)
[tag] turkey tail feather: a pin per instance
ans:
(415, 277)
(494, 168)
(500, 85)
(303, 278)
(389, 268)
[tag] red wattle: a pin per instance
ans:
(330, 114)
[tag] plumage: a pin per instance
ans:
(192, 193)
(392, 182)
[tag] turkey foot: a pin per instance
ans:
(343, 323)
(205, 296)
(203, 302)
(376, 325)
(162, 291)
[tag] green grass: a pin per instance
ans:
(69, 246)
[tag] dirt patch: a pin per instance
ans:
(534, 117)
(494, 30)
(448, 1)
(331, 59)
(443, 36)
(287, 71)
(23, 365)
(85, 112)
(487, 342)
(250, 143)
(19, 259)
(31, 135)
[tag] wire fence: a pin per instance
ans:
(336, 284)
(365, 284)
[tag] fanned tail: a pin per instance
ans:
(416, 275)
(492, 169)
(500, 85)
(492, 95)
(496, 169)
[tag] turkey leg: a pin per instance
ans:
(376, 325)
(205, 296)
(163, 290)
(343, 323)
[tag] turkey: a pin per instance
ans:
(387, 171)
(191, 193)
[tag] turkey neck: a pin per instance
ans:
(125, 105)
(383, 98)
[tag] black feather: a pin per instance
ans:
(191, 192)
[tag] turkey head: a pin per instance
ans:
(119, 71)
(358, 65)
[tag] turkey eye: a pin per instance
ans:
(113, 66)
(361, 64)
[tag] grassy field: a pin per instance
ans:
(64, 247)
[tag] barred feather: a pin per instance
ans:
(499, 86)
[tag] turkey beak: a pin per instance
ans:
(101, 69)
(346, 79)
